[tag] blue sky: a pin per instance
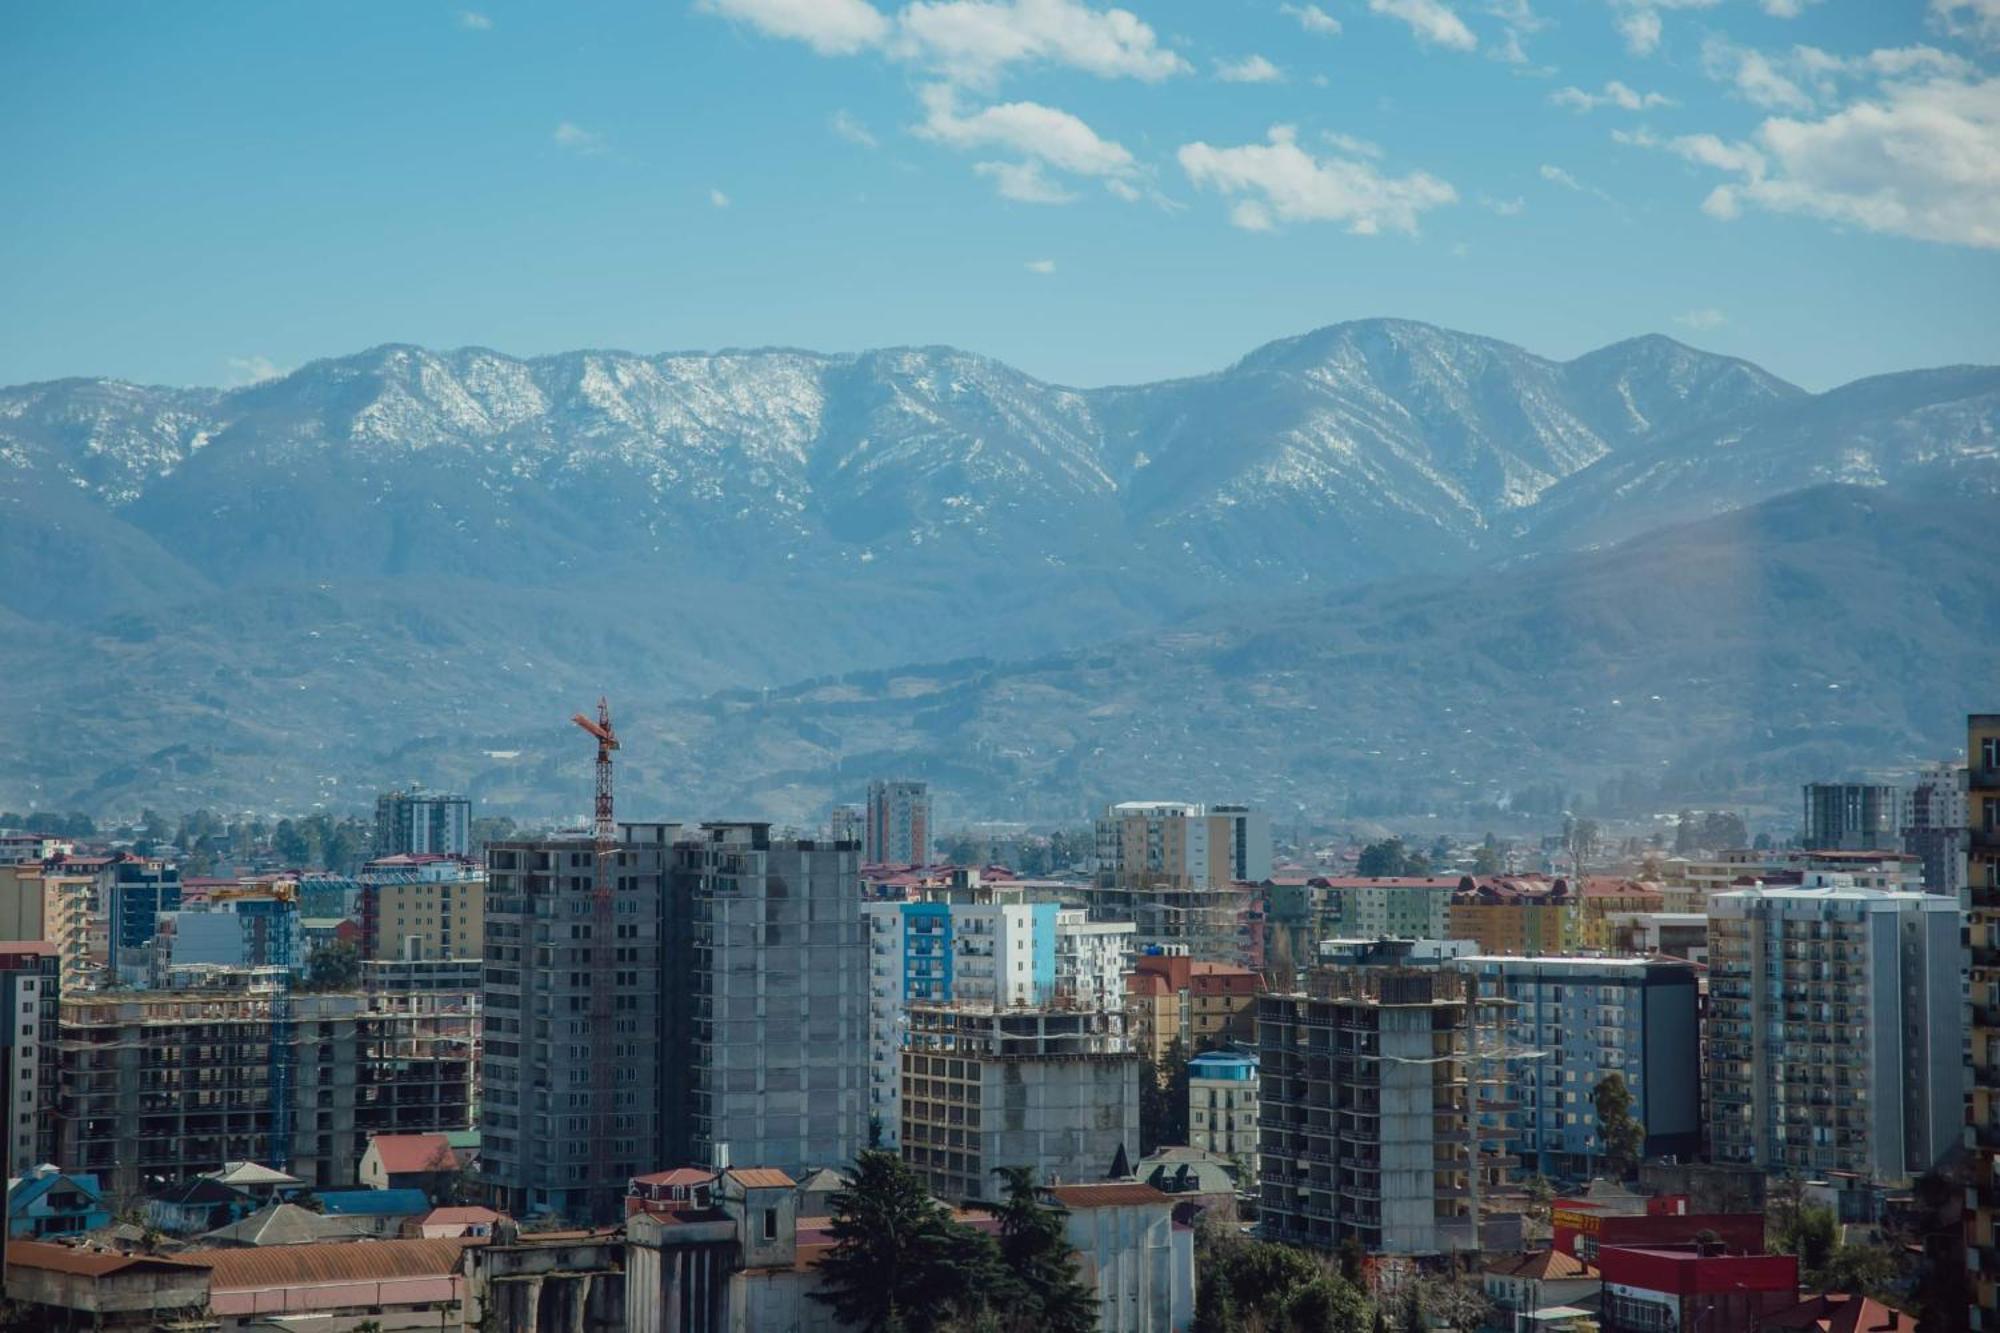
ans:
(202, 193)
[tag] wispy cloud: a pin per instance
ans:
(1313, 19)
(830, 27)
(1755, 77)
(1615, 94)
(474, 21)
(1042, 138)
(716, 198)
(974, 41)
(1040, 266)
(1973, 20)
(846, 126)
(251, 370)
(1707, 317)
(1506, 208)
(1432, 21)
(577, 139)
(1024, 182)
(1250, 69)
(1555, 175)
(1277, 182)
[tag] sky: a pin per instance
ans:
(212, 194)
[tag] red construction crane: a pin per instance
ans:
(607, 741)
(603, 1049)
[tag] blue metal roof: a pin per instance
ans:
(374, 1203)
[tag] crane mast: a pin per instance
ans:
(603, 1047)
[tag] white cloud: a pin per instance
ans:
(1614, 94)
(1054, 137)
(473, 20)
(973, 41)
(577, 139)
(1974, 20)
(1786, 9)
(1557, 176)
(1250, 69)
(1040, 266)
(1024, 182)
(846, 126)
(1641, 31)
(1506, 208)
(1278, 181)
(1347, 143)
(1313, 19)
(1918, 159)
(1754, 75)
(1125, 190)
(716, 198)
(1708, 317)
(830, 27)
(251, 370)
(1432, 21)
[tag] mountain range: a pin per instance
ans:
(794, 570)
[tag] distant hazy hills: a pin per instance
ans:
(400, 563)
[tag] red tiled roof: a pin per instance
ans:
(680, 1175)
(352, 1261)
(760, 1178)
(1836, 1312)
(1107, 1194)
(404, 1154)
(459, 1216)
(1540, 1265)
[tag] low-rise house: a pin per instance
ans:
(60, 1286)
(445, 1223)
(378, 1212)
(408, 1161)
(666, 1193)
(256, 1180)
(1521, 1284)
(397, 1284)
(1837, 1312)
(47, 1203)
(1652, 1289)
(197, 1205)
(281, 1224)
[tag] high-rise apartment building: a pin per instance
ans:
(249, 927)
(1983, 1079)
(544, 1099)
(422, 907)
(899, 823)
(140, 889)
(416, 821)
(157, 1086)
(1936, 825)
(984, 945)
(1573, 1021)
(766, 1005)
(1368, 1085)
(847, 823)
(1182, 873)
(41, 901)
(1836, 1027)
(30, 991)
(1049, 1087)
(1852, 817)
(740, 1008)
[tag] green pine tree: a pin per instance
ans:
(899, 1261)
(1036, 1253)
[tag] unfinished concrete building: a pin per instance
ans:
(158, 1086)
(1371, 1083)
(1055, 1088)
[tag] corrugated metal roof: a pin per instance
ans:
(306, 1265)
(83, 1263)
(760, 1178)
(407, 1154)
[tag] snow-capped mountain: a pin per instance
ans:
(417, 544)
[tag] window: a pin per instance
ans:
(770, 1224)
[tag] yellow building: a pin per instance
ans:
(1606, 896)
(1508, 916)
(48, 904)
(1983, 936)
(423, 907)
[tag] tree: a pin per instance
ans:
(1036, 1253)
(1541, 1197)
(1327, 1305)
(1389, 858)
(1163, 1101)
(1488, 859)
(898, 1260)
(1623, 1137)
(335, 967)
(1806, 1230)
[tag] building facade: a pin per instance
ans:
(1836, 1023)
(1852, 817)
(417, 822)
(899, 823)
(1369, 1081)
(546, 1102)
(422, 906)
(30, 993)
(1056, 1089)
(1222, 1108)
(1184, 874)
(1937, 825)
(157, 1086)
(1983, 1080)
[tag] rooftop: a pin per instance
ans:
(1107, 1194)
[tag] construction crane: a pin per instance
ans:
(603, 1049)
